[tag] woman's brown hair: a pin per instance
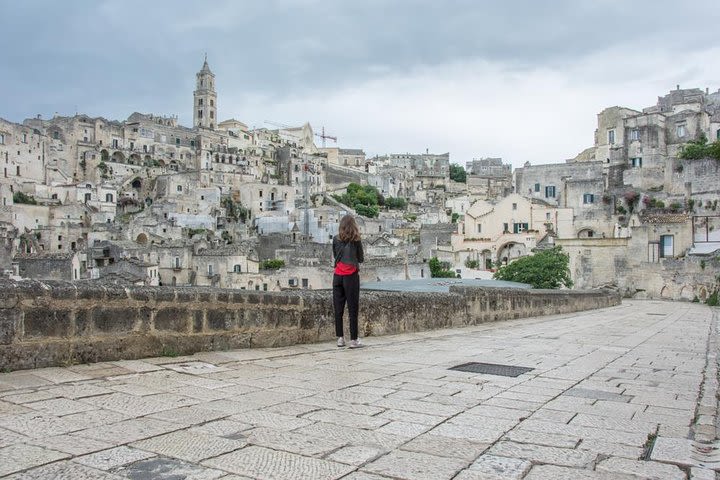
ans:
(348, 231)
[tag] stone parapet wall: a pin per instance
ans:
(58, 323)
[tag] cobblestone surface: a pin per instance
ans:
(624, 392)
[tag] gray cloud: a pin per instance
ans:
(113, 57)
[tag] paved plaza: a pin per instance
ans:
(623, 392)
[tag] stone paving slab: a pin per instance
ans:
(607, 386)
(258, 462)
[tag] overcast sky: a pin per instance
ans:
(518, 79)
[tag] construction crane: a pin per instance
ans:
(323, 136)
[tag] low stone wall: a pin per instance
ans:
(58, 323)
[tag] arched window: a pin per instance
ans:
(179, 188)
(236, 269)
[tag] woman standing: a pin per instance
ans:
(348, 252)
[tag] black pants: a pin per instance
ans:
(346, 288)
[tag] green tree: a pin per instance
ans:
(546, 269)
(273, 264)
(700, 148)
(440, 269)
(458, 173)
(364, 199)
(396, 203)
(20, 197)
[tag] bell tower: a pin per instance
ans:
(205, 99)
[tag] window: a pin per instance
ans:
(210, 269)
(636, 162)
(265, 287)
(505, 228)
(479, 228)
(59, 238)
(537, 187)
(212, 102)
(17, 170)
(24, 137)
(514, 206)
(179, 188)
(2, 139)
(635, 134)
(305, 283)
(588, 198)
(176, 264)
(548, 216)
(115, 143)
(56, 135)
(212, 114)
(177, 141)
(611, 136)
(550, 191)
(236, 269)
(88, 197)
(681, 131)
(520, 227)
(260, 194)
(666, 246)
(199, 113)
(200, 102)
(717, 134)
(109, 197)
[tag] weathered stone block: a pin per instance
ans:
(221, 319)
(63, 291)
(8, 297)
(165, 294)
(253, 298)
(90, 292)
(198, 317)
(83, 323)
(142, 294)
(223, 297)
(114, 320)
(238, 297)
(185, 295)
(206, 297)
(10, 326)
(42, 322)
(172, 319)
(252, 318)
(114, 292)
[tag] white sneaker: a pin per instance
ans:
(341, 342)
(356, 343)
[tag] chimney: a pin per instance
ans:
(707, 90)
(678, 86)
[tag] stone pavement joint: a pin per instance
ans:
(602, 383)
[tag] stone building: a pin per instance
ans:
(497, 233)
(638, 262)
(488, 178)
(49, 266)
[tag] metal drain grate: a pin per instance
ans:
(492, 369)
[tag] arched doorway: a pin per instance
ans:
(118, 157)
